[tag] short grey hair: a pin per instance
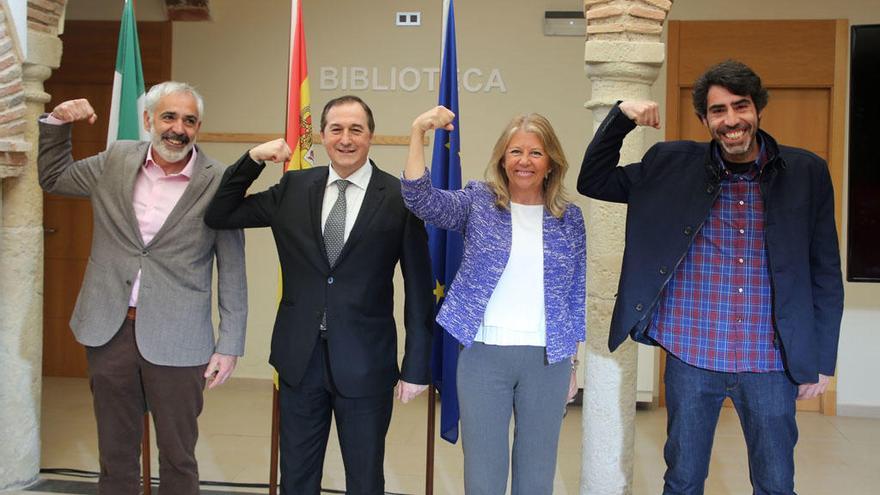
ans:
(157, 92)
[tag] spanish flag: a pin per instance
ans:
(299, 137)
(299, 113)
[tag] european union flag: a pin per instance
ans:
(446, 246)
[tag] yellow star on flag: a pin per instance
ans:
(439, 291)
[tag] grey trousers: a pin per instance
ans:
(493, 383)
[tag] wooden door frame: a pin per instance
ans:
(837, 139)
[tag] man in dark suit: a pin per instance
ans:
(340, 231)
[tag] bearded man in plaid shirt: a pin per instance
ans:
(732, 265)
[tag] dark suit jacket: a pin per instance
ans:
(358, 293)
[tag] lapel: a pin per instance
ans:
(200, 180)
(316, 202)
(373, 199)
(131, 165)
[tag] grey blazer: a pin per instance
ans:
(174, 325)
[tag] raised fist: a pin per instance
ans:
(74, 111)
(646, 113)
(274, 151)
(438, 117)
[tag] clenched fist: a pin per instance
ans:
(75, 111)
(274, 151)
(438, 117)
(646, 113)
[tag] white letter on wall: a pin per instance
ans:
(377, 86)
(495, 81)
(466, 80)
(359, 79)
(416, 76)
(432, 73)
(329, 79)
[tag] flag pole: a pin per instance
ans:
(429, 467)
(273, 453)
(445, 250)
(298, 134)
(432, 392)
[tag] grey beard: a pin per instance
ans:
(169, 155)
(738, 150)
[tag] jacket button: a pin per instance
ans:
(330, 280)
(710, 189)
(639, 307)
(688, 230)
(663, 270)
(145, 253)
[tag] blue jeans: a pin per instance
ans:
(765, 403)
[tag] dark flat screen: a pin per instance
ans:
(863, 235)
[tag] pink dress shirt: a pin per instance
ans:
(155, 195)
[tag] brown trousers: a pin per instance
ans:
(124, 385)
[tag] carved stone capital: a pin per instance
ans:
(610, 63)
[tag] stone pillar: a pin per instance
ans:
(21, 259)
(622, 58)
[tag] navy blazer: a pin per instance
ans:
(357, 292)
(669, 194)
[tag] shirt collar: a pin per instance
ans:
(187, 169)
(360, 177)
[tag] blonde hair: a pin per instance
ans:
(555, 199)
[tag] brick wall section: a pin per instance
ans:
(13, 147)
(625, 20)
(44, 15)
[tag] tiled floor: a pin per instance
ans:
(835, 455)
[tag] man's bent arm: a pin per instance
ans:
(600, 177)
(58, 172)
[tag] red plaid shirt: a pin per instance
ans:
(716, 311)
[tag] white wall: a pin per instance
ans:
(239, 61)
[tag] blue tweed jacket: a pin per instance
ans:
(487, 232)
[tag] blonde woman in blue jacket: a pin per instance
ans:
(517, 302)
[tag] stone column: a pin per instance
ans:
(21, 259)
(622, 58)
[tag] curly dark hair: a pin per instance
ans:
(736, 77)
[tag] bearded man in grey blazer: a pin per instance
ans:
(144, 309)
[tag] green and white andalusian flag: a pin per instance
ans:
(127, 105)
